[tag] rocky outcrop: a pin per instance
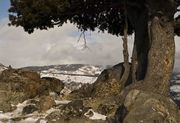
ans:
(126, 104)
(101, 95)
(107, 99)
(17, 85)
(45, 103)
(54, 84)
(73, 112)
(107, 84)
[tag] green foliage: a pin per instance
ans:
(106, 15)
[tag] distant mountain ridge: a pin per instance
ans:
(63, 67)
(68, 73)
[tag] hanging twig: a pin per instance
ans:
(82, 33)
(84, 39)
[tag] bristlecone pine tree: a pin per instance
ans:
(151, 21)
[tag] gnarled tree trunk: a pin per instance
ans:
(161, 55)
(154, 41)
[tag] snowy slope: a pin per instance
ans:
(74, 76)
(77, 73)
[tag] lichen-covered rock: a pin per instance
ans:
(72, 112)
(5, 107)
(101, 95)
(8, 99)
(45, 103)
(54, 84)
(84, 92)
(106, 109)
(68, 111)
(75, 109)
(19, 83)
(107, 84)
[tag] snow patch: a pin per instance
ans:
(94, 115)
(16, 113)
(29, 120)
(62, 102)
(175, 88)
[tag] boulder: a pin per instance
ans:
(8, 99)
(28, 83)
(145, 107)
(74, 109)
(29, 109)
(45, 103)
(72, 112)
(101, 95)
(107, 84)
(5, 107)
(106, 109)
(54, 84)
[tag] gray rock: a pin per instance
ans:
(29, 109)
(54, 84)
(45, 103)
(146, 107)
(5, 107)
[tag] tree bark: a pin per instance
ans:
(154, 42)
(161, 55)
(139, 20)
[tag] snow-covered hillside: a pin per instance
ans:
(73, 75)
(78, 73)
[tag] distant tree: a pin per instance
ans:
(151, 21)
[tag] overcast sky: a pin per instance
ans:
(58, 45)
(55, 46)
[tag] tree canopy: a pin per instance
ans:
(86, 14)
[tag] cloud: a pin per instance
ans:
(56, 46)
(60, 46)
